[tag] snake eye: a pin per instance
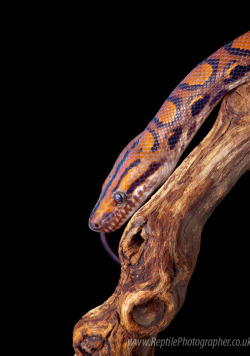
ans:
(120, 197)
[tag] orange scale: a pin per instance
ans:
(148, 141)
(242, 42)
(228, 71)
(199, 75)
(167, 112)
(128, 179)
(195, 99)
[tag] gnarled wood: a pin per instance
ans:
(160, 245)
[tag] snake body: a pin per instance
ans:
(148, 160)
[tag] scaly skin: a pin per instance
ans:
(148, 160)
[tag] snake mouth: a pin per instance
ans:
(112, 221)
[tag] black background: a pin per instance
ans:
(81, 83)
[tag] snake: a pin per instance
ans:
(149, 159)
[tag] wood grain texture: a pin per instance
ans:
(160, 245)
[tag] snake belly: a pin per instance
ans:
(148, 160)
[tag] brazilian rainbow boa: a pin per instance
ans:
(148, 160)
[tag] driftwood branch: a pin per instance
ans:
(160, 245)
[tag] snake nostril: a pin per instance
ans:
(95, 226)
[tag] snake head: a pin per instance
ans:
(130, 182)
